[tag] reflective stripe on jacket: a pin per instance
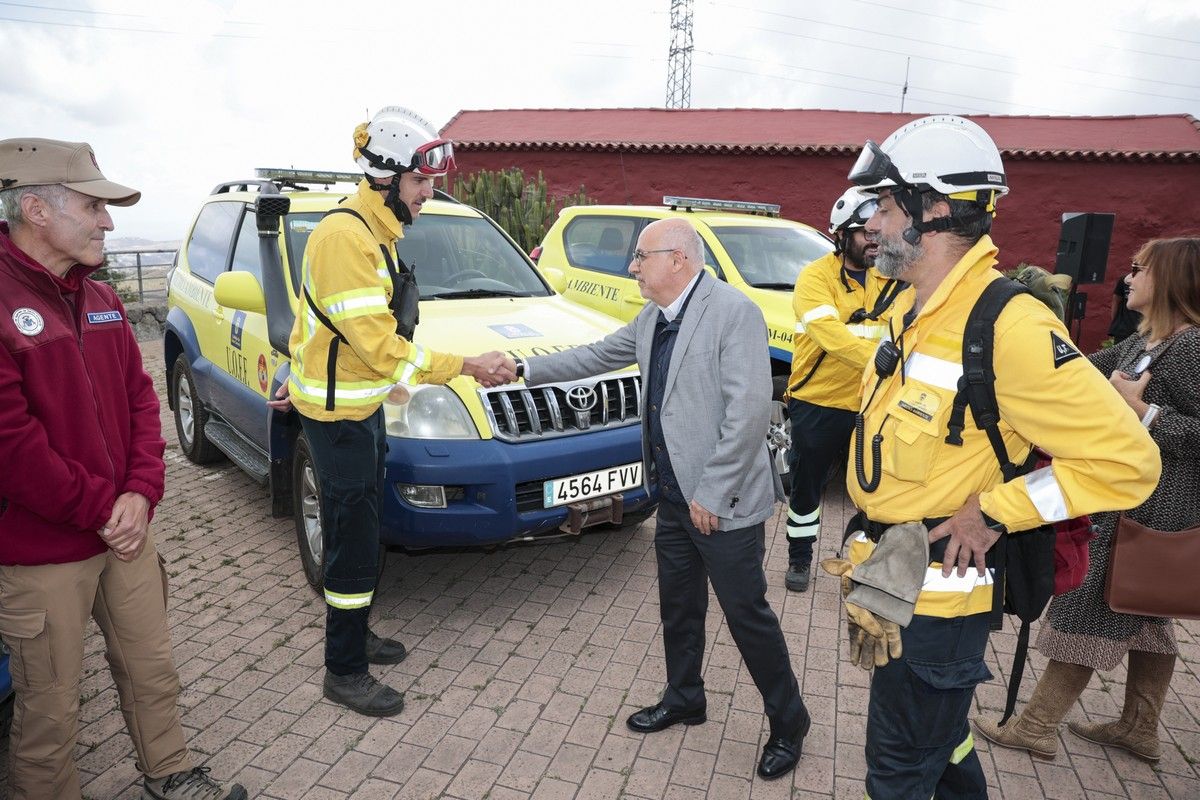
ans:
(345, 274)
(1103, 459)
(822, 304)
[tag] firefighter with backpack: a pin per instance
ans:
(925, 474)
(351, 348)
(841, 305)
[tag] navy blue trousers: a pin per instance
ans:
(919, 743)
(349, 458)
(819, 436)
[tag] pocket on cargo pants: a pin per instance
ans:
(27, 636)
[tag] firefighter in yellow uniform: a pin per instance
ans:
(351, 349)
(841, 305)
(937, 180)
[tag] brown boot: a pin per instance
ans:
(1036, 729)
(1145, 691)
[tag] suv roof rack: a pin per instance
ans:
(740, 206)
(296, 178)
(269, 180)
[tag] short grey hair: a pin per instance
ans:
(10, 200)
(680, 234)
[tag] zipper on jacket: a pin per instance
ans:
(76, 317)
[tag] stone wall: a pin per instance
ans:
(147, 319)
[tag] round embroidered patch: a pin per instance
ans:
(28, 321)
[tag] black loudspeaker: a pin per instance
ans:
(1083, 246)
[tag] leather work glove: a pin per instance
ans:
(873, 640)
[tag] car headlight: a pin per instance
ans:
(432, 412)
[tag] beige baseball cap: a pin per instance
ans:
(38, 162)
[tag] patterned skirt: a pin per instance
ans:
(1080, 628)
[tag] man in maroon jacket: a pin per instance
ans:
(81, 472)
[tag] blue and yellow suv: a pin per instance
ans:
(586, 255)
(466, 466)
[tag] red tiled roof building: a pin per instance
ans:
(1145, 169)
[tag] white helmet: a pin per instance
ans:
(398, 140)
(946, 154)
(852, 210)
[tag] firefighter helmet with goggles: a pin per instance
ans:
(852, 210)
(397, 140)
(947, 154)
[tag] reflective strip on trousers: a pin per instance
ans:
(804, 526)
(963, 750)
(348, 601)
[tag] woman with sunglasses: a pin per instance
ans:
(1157, 372)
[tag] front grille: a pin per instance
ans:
(521, 413)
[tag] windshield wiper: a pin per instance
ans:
(768, 285)
(479, 293)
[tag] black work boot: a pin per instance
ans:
(381, 650)
(798, 576)
(362, 693)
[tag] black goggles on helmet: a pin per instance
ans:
(874, 166)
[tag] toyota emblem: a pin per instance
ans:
(581, 398)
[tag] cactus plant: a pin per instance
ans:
(518, 205)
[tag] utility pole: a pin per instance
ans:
(904, 91)
(679, 56)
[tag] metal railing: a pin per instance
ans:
(138, 273)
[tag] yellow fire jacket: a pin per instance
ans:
(345, 274)
(1048, 395)
(829, 352)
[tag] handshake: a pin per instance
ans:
(490, 369)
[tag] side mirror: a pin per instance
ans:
(555, 277)
(240, 290)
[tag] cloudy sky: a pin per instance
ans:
(179, 96)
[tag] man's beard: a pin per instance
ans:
(896, 256)
(856, 254)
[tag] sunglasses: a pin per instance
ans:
(1135, 268)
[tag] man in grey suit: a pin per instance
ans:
(702, 349)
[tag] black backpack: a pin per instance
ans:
(1024, 560)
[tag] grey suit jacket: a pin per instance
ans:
(717, 403)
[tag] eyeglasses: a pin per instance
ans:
(1135, 268)
(641, 255)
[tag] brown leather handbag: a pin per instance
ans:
(1153, 573)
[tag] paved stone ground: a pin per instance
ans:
(525, 663)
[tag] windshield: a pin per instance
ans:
(771, 258)
(450, 256)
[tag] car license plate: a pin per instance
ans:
(591, 484)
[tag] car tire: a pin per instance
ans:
(306, 514)
(190, 416)
(779, 387)
(779, 433)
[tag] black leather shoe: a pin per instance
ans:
(782, 753)
(657, 718)
(798, 577)
(384, 651)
